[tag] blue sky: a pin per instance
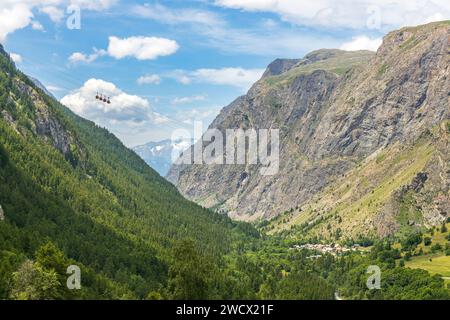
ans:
(166, 64)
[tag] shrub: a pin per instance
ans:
(435, 248)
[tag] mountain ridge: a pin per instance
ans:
(332, 114)
(72, 188)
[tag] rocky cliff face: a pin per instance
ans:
(38, 118)
(335, 110)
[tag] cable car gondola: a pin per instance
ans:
(102, 98)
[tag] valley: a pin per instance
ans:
(364, 181)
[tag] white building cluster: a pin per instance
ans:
(334, 249)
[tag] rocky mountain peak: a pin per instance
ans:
(335, 110)
(279, 66)
(410, 37)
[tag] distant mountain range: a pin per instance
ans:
(41, 86)
(158, 155)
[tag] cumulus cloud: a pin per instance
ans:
(55, 14)
(362, 43)
(123, 107)
(149, 79)
(141, 48)
(17, 58)
(185, 100)
(236, 77)
(79, 57)
(18, 14)
(388, 14)
(14, 17)
(130, 117)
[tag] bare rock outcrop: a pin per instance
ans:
(334, 109)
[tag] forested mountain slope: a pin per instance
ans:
(72, 194)
(71, 188)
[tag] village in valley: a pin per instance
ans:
(333, 249)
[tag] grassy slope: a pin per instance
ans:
(435, 263)
(351, 202)
(439, 264)
(338, 64)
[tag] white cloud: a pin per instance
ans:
(17, 58)
(123, 107)
(94, 5)
(169, 16)
(347, 13)
(149, 79)
(204, 115)
(142, 48)
(180, 76)
(12, 18)
(269, 23)
(253, 5)
(236, 77)
(36, 25)
(362, 43)
(18, 14)
(79, 57)
(185, 100)
(130, 117)
(279, 41)
(266, 37)
(55, 14)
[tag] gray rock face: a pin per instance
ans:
(2, 214)
(44, 122)
(41, 86)
(333, 109)
(279, 66)
(50, 127)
